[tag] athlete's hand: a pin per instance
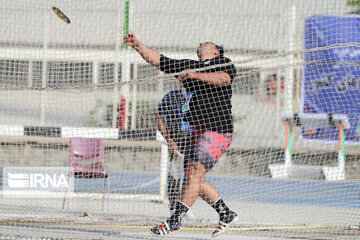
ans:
(184, 75)
(130, 40)
(174, 148)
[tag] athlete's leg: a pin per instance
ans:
(173, 186)
(210, 147)
(194, 176)
(208, 192)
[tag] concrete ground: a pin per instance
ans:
(84, 218)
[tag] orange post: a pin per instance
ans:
(287, 126)
(340, 135)
(122, 114)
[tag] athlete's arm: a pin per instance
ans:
(215, 78)
(148, 54)
(160, 122)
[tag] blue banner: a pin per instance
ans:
(331, 73)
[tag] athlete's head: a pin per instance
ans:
(209, 50)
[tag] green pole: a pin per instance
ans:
(342, 143)
(126, 26)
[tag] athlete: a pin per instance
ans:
(207, 82)
(177, 134)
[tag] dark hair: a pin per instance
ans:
(220, 49)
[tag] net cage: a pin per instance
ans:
(66, 75)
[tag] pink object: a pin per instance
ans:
(86, 157)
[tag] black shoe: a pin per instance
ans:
(165, 228)
(224, 223)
